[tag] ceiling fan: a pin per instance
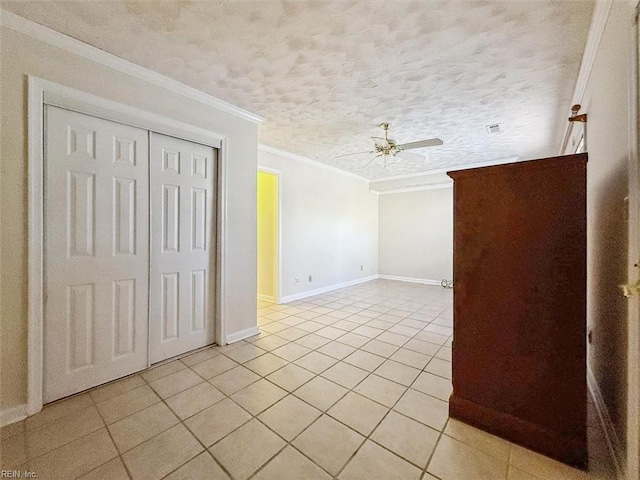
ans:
(387, 147)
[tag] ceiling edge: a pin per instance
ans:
(315, 163)
(436, 186)
(497, 161)
(77, 47)
(308, 161)
(596, 30)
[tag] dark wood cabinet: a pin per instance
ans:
(519, 333)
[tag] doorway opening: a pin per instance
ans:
(268, 213)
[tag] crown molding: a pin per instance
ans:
(596, 30)
(299, 158)
(370, 181)
(435, 186)
(497, 161)
(77, 47)
(406, 175)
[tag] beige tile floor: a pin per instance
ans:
(352, 384)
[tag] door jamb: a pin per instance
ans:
(277, 173)
(632, 466)
(43, 92)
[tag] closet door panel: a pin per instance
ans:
(96, 251)
(182, 176)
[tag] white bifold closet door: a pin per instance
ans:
(183, 179)
(96, 252)
(129, 257)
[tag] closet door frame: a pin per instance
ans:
(43, 92)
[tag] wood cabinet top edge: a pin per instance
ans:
(574, 160)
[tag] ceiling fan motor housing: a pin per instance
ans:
(391, 148)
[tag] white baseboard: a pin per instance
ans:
(242, 334)
(613, 442)
(267, 298)
(329, 288)
(425, 281)
(13, 415)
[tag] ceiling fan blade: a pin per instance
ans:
(352, 154)
(380, 141)
(432, 142)
(414, 157)
(369, 162)
(372, 159)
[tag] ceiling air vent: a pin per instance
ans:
(493, 128)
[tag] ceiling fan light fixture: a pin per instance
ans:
(388, 147)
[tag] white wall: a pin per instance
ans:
(21, 55)
(416, 234)
(606, 101)
(329, 226)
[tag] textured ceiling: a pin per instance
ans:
(324, 74)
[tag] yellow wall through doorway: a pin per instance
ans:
(267, 236)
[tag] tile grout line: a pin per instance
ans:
(424, 469)
(440, 434)
(162, 400)
(115, 445)
(369, 373)
(289, 362)
(315, 375)
(31, 458)
(180, 420)
(351, 390)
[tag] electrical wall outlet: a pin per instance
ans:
(362, 268)
(297, 281)
(310, 278)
